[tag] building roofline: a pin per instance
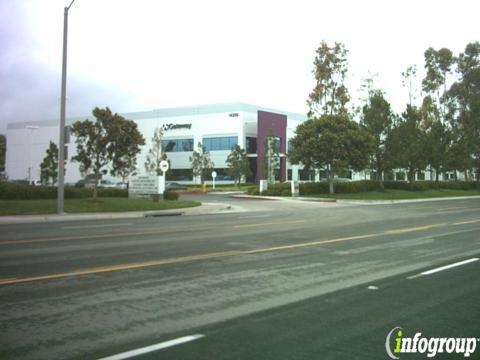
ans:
(171, 112)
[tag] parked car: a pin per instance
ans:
(174, 186)
(107, 184)
(121, 185)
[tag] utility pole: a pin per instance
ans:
(61, 141)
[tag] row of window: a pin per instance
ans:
(211, 144)
(220, 143)
(177, 145)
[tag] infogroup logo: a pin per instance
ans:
(431, 346)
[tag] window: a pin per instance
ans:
(251, 145)
(220, 143)
(177, 145)
(306, 175)
(179, 175)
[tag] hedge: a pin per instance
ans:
(14, 191)
(315, 188)
(170, 195)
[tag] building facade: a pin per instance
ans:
(218, 127)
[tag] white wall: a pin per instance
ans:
(26, 146)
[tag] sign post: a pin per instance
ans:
(214, 175)
(295, 186)
(164, 166)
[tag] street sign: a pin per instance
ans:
(143, 185)
(214, 175)
(164, 166)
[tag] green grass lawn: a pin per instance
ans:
(111, 204)
(400, 194)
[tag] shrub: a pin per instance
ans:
(170, 195)
(396, 185)
(356, 186)
(314, 188)
(276, 189)
(286, 192)
(252, 189)
(14, 191)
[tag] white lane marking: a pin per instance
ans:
(94, 226)
(433, 271)
(446, 267)
(148, 349)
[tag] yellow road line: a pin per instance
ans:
(418, 228)
(135, 233)
(87, 237)
(455, 208)
(269, 223)
(120, 267)
(208, 256)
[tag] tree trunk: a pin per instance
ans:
(331, 189)
(95, 185)
(411, 177)
(437, 175)
(380, 180)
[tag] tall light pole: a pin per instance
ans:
(61, 138)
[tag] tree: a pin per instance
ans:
(438, 64)
(124, 146)
(49, 165)
(409, 76)
(3, 151)
(271, 161)
(464, 105)
(111, 139)
(155, 153)
(238, 164)
(377, 118)
(202, 166)
(406, 143)
(330, 94)
(331, 142)
(437, 136)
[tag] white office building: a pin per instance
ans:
(218, 127)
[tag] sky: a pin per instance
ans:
(149, 54)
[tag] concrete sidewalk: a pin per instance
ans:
(352, 201)
(204, 209)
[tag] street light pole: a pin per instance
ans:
(61, 138)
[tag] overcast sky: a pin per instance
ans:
(147, 54)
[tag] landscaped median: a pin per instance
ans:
(19, 199)
(370, 190)
(89, 205)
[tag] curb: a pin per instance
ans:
(204, 209)
(255, 197)
(163, 214)
(405, 201)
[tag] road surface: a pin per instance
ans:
(276, 280)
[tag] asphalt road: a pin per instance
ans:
(275, 280)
